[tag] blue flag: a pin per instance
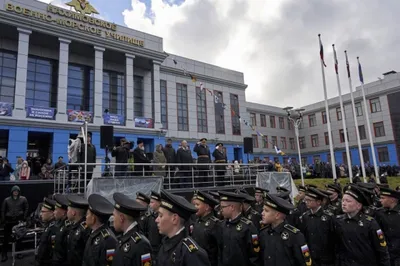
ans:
(360, 74)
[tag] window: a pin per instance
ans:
(375, 105)
(219, 112)
(263, 120)
(314, 140)
(344, 157)
(138, 94)
(338, 114)
(272, 121)
(324, 121)
(201, 110)
(265, 142)
(379, 129)
(341, 134)
(182, 102)
(326, 135)
(255, 141)
(8, 70)
(283, 143)
(253, 119)
(235, 111)
(290, 124)
(383, 154)
(302, 141)
(292, 144)
(281, 123)
(80, 88)
(365, 155)
(361, 130)
(359, 110)
(164, 103)
(274, 140)
(41, 82)
(312, 120)
(114, 92)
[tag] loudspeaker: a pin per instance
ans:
(106, 137)
(248, 145)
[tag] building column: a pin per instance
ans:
(130, 91)
(22, 70)
(62, 92)
(98, 85)
(156, 94)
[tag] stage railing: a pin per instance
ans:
(175, 176)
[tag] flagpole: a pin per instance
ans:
(371, 141)
(353, 105)
(333, 164)
(346, 140)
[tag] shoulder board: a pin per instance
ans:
(147, 214)
(190, 244)
(332, 207)
(105, 233)
(254, 212)
(136, 237)
(67, 223)
(245, 220)
(52, 224)
(291, 228)
(341, 216)
(84, 225)
(214, 219)
(327, 212)
(369, 218)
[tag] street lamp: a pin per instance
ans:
(296, 116)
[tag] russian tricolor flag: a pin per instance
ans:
(146, 257)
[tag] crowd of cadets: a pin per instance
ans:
(327, 227)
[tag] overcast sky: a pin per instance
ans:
(273, 42)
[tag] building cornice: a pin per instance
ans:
(223, 82)
(31, 123)
(74, 35)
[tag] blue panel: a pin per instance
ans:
(17, 143)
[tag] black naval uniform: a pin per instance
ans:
(259, 207)
(60, 251)
(76, 242)
(100, 247)
(254, 217)
(335, 207)
(179, 249)
(220, 158)
(133, 248)
(389, 220)
(203, 161)
(154, 235)
(47, 240)
(283, 245)
(63, 227)
(204, 232)
(360, 240)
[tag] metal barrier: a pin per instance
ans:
(175, 176)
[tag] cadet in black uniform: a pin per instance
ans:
(280, 243)
(238, 237)
(360, 240)
(204, 230)
(301, 205)
(177, 248)
(217, 209)
(248, 211)
(133, 248)
(259, 195)
(334, 192)
(154, 235)
(373, 201)
(219, 158)
(100, 247)
(63, 227)
(203, 162)
(144, 200)
(79, 232)
(317, 226)
(389, 219)
(294, 215)
(45, 249)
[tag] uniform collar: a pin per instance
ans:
(356, 217)
(277, 229)
(396, 208)
(133, 225)
(170, 243)
(235, 220)
(318, 212)
(248, 211)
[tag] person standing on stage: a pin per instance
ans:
(220, 158)
(203, 162)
